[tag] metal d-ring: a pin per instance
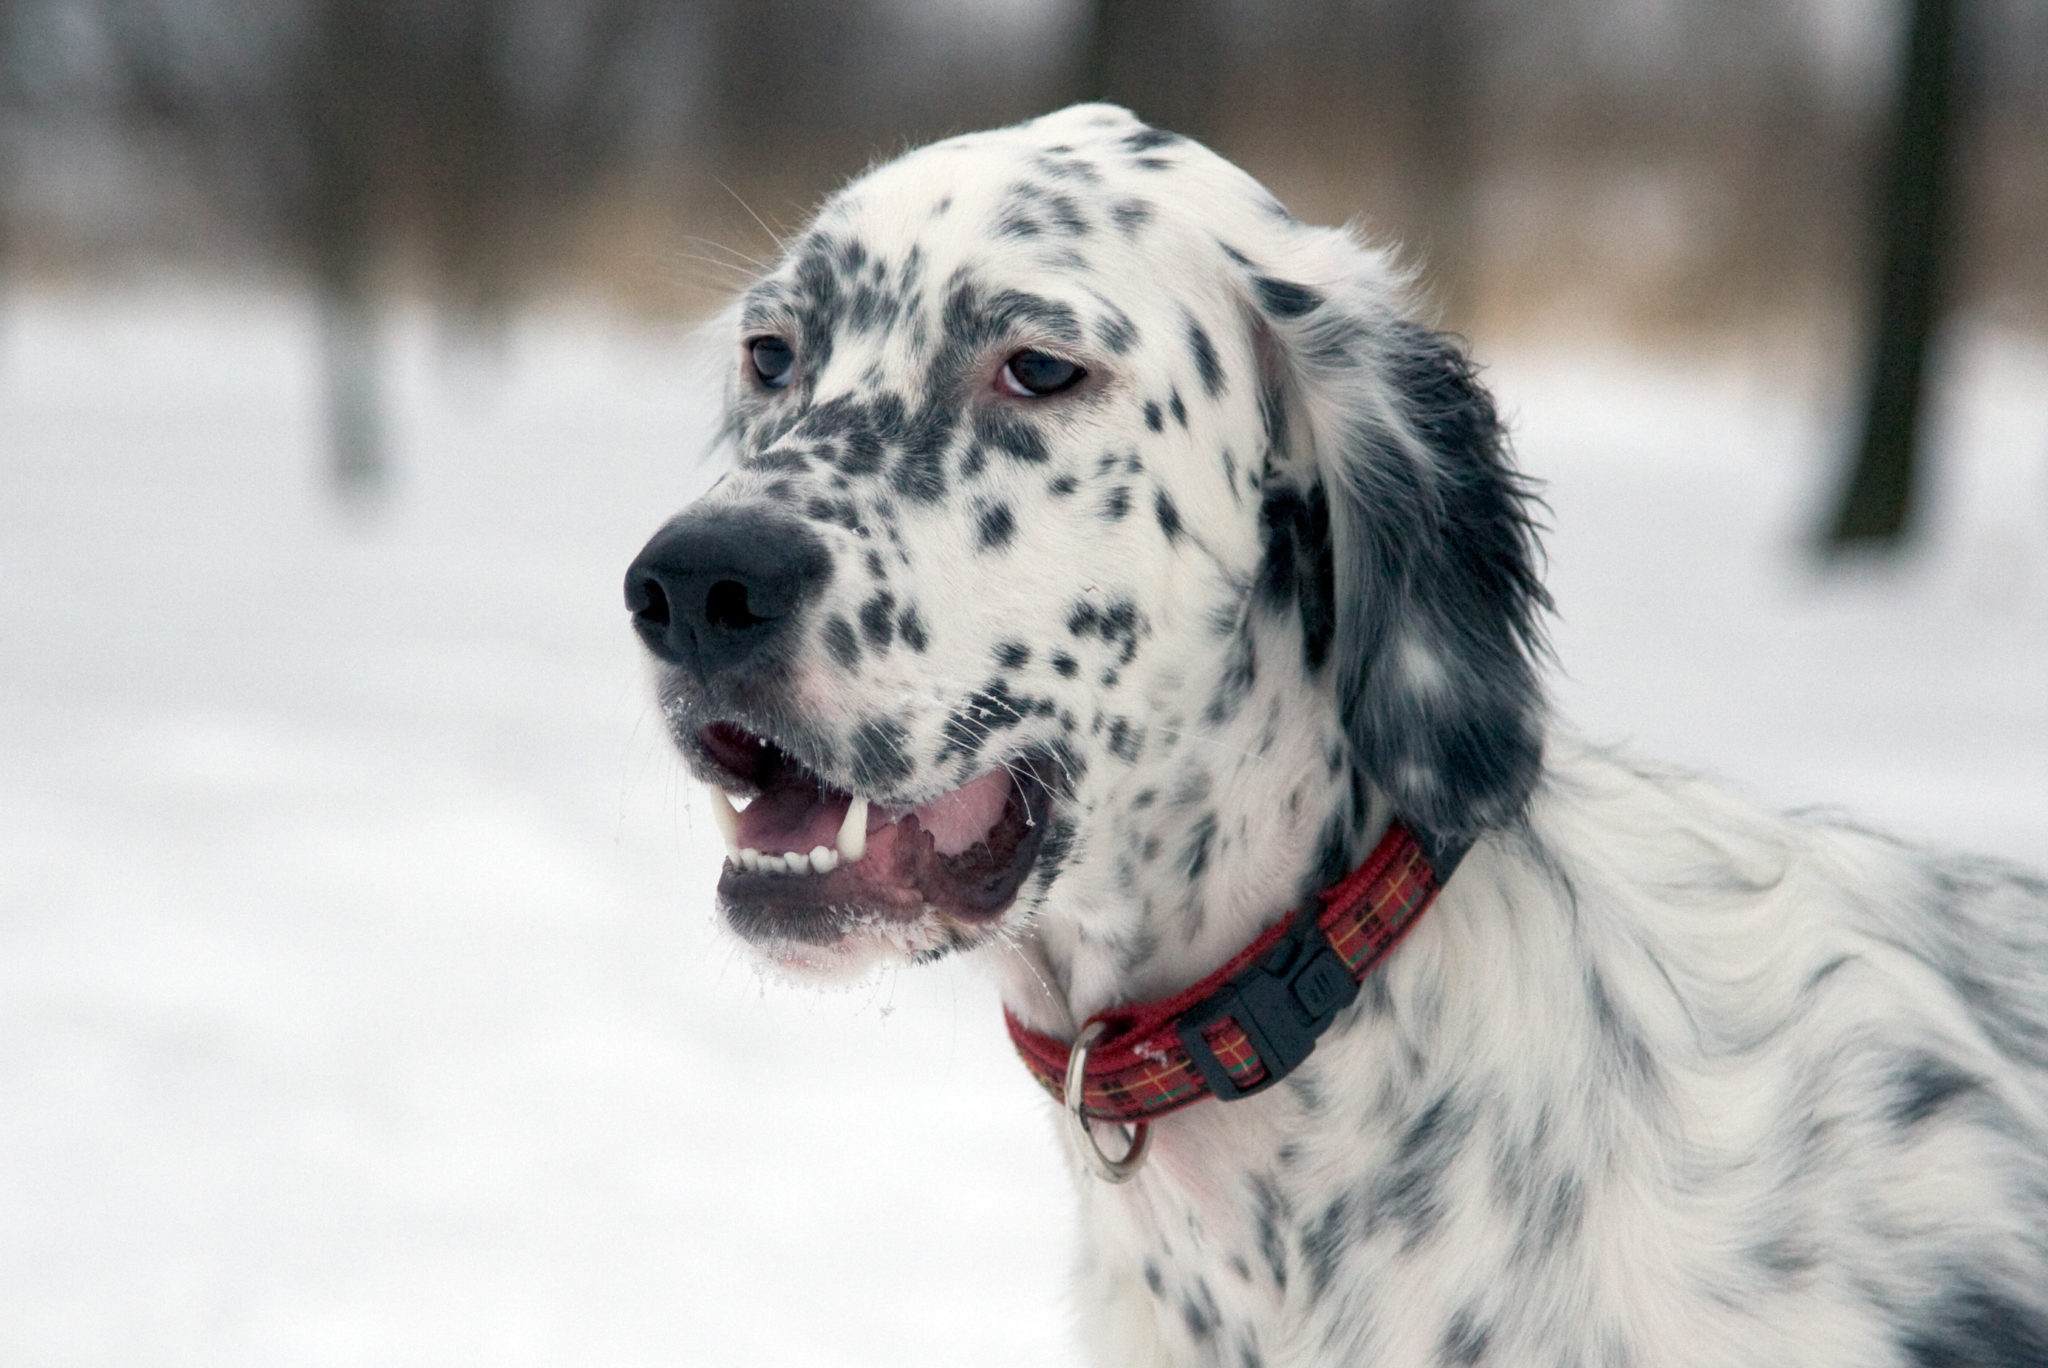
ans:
(1108, 1169)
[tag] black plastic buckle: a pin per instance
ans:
(1283, 1001)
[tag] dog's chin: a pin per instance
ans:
(852, 957)
(826, 885)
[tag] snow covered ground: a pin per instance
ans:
(359, 997)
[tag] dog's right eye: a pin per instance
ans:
(772, 360)
(1038, 375)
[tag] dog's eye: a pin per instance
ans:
(774, 362)
(1034, 375)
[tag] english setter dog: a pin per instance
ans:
(1110, 581)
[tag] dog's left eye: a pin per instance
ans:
(1034, 375)
(773, 361)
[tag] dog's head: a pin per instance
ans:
(1069, 468)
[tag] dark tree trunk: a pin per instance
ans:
(352, 360)
(1877, 503)
(1162, 59)
(1437, 47)
(335, 227)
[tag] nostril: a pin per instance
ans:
(653, 607)
(717, 588)
(725, 605)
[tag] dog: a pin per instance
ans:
(1112, 582)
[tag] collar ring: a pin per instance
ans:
(1100, 1164)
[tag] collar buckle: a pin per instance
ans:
(1282, 1002)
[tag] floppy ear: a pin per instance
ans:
(1381, 434)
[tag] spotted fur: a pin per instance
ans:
(1662, 1080)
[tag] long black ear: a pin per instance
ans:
(1431, 547)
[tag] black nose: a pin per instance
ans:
(715, 589)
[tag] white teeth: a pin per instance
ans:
(821, 860)
(853, 832)
(847, 848)
(728, 819)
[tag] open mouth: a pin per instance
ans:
(809, 862)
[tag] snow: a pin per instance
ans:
(360, 1000)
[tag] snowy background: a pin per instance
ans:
(360, 1001)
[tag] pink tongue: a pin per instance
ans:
(965, 816)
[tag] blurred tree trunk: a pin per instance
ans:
(1877, 503)
(1438, 130)
(1162, 59)
(10, 115)
(337, 91)
(351, 356)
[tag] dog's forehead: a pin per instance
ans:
(1079, 209)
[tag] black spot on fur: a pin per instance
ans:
(1268, 1209)
(1630, 1054)
(1130, 216)
(1066, 215)
(974, 319)
(1004, 430)
(1200, 841)
(920, 474)
(1323, 1242)
(1123, 739)
(1013, 655)
(1065, 665)
(911, 628)
(1115, 329)
(1017, 222)
(1284, 298)
(1146, 139)
(1178, 408)
(1298, 567)
(1409, 1193)
(1240, 672)
(841, 641)
(1974, 1327)
(1464, 1342)
(881, 756)
(1198, 1311)
(1116, 504)
(1925, 1085)
(996, 527)
(1206, 365)
(1153, 1279)
(1154, 418)
(1062, 486)
(988, 710)
(1168, 515)
(875, 622)
(1784, 1259)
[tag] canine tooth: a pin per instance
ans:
(853, 832)
(824, 860)
(727, 818)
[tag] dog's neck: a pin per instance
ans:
(1233, 814)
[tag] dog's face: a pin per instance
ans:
(1026, 431)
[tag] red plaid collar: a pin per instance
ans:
(1246, 1026)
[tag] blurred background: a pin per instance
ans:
(359, 996)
